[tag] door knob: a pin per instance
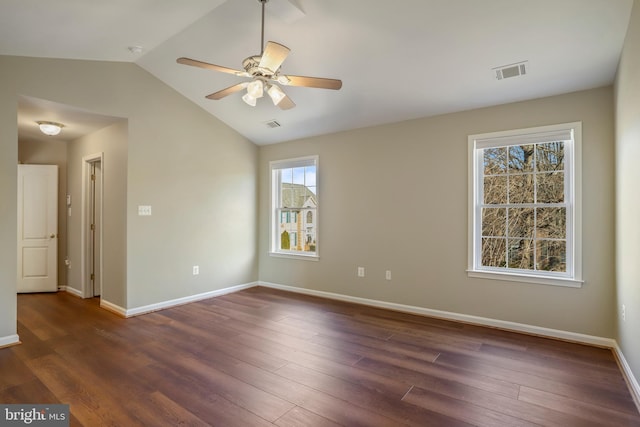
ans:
(53, 236)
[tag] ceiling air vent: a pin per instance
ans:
(272, 124)
(511, 70)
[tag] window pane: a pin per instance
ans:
(310, 176)
(494, 221)
(550, 187)
(550, 156)
(521, 254)
(286, 175)
(551, 223)
(495, 161)
(525, 210)
(287, 196)
(298, 176)
(521, 158)
(521, 222)
(295, 219)
(494, 253)
(294, 233)
(551, 255)
(297, 196)
(495, 190)
(521, 188)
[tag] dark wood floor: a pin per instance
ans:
(262, 357)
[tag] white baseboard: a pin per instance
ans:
(634, 386)
(70, 290)
(9, 340)
(447, 315)
(185, 300)
(113, 307)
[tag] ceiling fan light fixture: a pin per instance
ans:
(50, 128)
(249, 99)
(276, 94)
(256, 89)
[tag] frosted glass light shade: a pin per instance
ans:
(256, 89)
(249, 99)
(50, 128)
(276, 94)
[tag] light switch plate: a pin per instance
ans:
(144, 210)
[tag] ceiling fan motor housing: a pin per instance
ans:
(252, 66)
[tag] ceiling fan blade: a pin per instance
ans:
(318, 82)
(286, 103)
(228, 91)
(273, 56)
(206, 65)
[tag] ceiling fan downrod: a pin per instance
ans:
(262, 33)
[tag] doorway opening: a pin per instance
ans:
(92, 208)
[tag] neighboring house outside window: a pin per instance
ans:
(525, 205)
(294, 205)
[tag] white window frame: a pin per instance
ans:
(274, 167)
(573, 184)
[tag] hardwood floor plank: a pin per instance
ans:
(243, 394)
(371, 380)
(198, 400)
(13, 371)
(510, 406)
(424, 374)
(464, 411)
(169, 413)
(390, 406)
(84, 394)
(292, 344)
(575, 387)
(589, 412)
(300, 417)
(263, 357)
(363, 344)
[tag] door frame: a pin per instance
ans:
(85, 240)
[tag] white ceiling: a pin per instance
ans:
(398, 60)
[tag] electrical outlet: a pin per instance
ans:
(144, 210)
(624, 313)
(360, 271)
(196, 270)
(387, 275)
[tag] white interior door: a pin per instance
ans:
(37, 228)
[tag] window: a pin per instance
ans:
(294, 204)
(524, 205)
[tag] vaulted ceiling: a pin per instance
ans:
(398, 60)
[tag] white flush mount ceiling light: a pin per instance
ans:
(50, 128)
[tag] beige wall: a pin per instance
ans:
(112, 143)
(628, 193)
(391, 197)
(8, 208)
(197, 173)
(53, 152)
(394, 197)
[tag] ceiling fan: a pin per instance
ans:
(264, 70)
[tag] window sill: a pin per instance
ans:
(513, 277)
(294, 256)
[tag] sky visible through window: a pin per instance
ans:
(303, 176)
